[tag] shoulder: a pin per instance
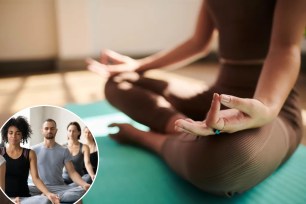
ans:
(37, 147)
(85, 147)
(27, 153)
(62, 150)
(60, 147)
(31, 152)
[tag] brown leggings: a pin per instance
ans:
(221, 164)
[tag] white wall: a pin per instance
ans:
(74, 39)
(36, 115)
(70, 29)
(62, 117)
(27, 30)
(141, 26)
(75, 29)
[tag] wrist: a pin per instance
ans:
(141, 65)
(84, 186)
(271, 109)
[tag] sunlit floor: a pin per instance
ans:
(17, 93)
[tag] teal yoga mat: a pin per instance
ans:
(133, 175)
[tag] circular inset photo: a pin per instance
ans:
(47, 155)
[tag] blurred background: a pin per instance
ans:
(60, 32)
(43, 45)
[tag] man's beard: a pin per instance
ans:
(49, 136)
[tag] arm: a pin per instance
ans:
(2, 176)
(87, 163)
(278, 76)
(197, 46)
(37, 181)
(281, 67)
(75, 176)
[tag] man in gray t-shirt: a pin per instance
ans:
(56, 157)
(51, 158)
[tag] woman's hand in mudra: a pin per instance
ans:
(112, 63)
(242, 113)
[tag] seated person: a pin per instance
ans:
(80, 154)
(19, 162)
(92, 149)
(52, 157)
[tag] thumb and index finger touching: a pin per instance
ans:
(216, 121)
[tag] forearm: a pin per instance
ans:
(282, 65)
(179, 56)
(89, 170)
(76, 178)
(197, 46)
(40, 185)
(278, 77)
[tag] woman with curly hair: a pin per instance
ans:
(19, 162)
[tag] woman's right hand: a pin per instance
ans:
(112, 63)
(16, 200)
(53, 198)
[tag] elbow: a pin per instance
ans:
(35, 180)
(203, 44)
(286, 50)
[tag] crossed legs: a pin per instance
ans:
(223, 164)
(151, 102)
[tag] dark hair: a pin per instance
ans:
(50, 120)
(21, 123)
(77, 125)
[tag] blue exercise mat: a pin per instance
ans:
(133, 175)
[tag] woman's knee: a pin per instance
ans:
(228, 163)
(110, 87)
(120, 83)
(241, 160)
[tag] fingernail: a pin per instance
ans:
(215, 96)
(225, 98)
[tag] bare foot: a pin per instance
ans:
(130, 135)
(127, 134)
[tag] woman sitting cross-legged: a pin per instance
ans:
(80, 154)
(19, 162)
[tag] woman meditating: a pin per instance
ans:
(80, 155)
(20, 162)
(91, 143)
(226, 139)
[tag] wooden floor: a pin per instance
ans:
(20, 92)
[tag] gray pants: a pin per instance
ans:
(85, 178)
(67, 194)
(41, 199)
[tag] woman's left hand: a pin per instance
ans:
(243, 113)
